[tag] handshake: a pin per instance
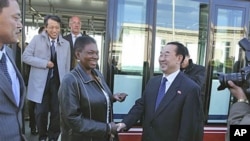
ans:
(114, 128)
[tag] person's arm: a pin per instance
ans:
(134, 114)
(29, 55)
(240, 111)
(68, 57)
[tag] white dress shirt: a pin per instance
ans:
(13, 76)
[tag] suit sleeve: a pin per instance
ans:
(29, 55)
(68, 57)
(134, 114)
(239, 114)
(192, 117)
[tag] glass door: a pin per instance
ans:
(227, 28)
(128, 57)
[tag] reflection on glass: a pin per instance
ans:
(128, 52)
(128, 46)
(228, 30)
(184, 21)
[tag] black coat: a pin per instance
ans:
(196, 73)
(83, 107)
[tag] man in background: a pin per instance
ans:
(194, 71)
(31, 104)
(75, 31)
(12, 87)
(48, 54)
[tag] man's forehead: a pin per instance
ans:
(169, 48)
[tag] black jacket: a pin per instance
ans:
(83, 107)
(196, 73)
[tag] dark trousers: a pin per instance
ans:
(32, 120)
(49, 104)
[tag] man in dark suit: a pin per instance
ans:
(170, 105)
(12, 86)
(75, 29)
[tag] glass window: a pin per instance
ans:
(228, 31)
(128, 52)
(184, 21)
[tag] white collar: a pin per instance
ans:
(53, 40)
(171, 76)
(78, 35)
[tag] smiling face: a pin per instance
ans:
(88, 56)
(10, 23)
(169, 60)
(53, 28)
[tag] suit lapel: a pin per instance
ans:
(5, 85)
(169, 96)
(70, 41)
(21, 82)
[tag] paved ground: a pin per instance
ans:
(29, 136)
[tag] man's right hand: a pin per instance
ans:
(121, 126)
(50, 64)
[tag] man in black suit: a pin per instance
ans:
(75, 29)
(170, 107)
(12, 86)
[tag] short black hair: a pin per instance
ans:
(82, 41)
(186, 51)
(3, 4)
(52, 17)
(180, 50)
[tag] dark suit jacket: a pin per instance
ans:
(10, 113)
(179, 116)
(72, 59)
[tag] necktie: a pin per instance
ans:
(53, 50)
(53, 54)
(3, 67)
(161, 92)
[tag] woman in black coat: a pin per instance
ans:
(85, 99)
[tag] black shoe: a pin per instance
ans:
(34, 131)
